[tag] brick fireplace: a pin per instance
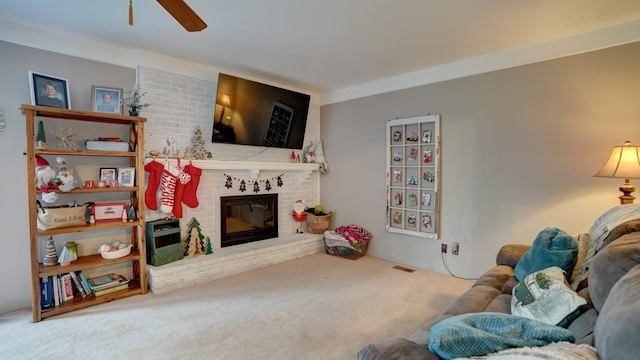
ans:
(180, 104)
(299, 181)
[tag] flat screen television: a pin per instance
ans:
(251, 113)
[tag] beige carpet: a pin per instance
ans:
(316, 307)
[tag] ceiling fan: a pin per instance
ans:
(180, 11)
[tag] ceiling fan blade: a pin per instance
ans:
(183, 14)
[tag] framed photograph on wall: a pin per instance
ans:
(47, 90)
(106, 99)
(126, 176)
(108, 174)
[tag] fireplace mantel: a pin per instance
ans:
(252, 167)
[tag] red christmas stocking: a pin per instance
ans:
(154, 169)
(183, 179)
(189, 197)
(168, 188)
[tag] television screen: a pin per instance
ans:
(251, 113)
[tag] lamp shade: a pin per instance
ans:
(225, 100)
(624, 162)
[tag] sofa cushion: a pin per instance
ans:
(610, 264)
(583, 245)
(545, 296)
(395, 349)
(510, 254)
(617, 328)
(421, 336)
(551, 247)
(495, 277)
(484, 333)
(614, 223)
(555, 351)
(501, 304)
(476, 299)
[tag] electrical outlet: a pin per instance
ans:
(444, 248)
(455, 248)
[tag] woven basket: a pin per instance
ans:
(338, 245)
(318, 224)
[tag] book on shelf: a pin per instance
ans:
(85, 283)
(56, 290)
(46, 293)
(109, 290)
(106, 281)
(78, 284)
(66, 287)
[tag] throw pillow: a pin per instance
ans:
(583, 244)
(610, 226)
(610, 264)
(477, 334)
(555, 351)
(551, 247)
(545, 296)
(618, 326)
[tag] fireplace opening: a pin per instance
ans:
(248, 218)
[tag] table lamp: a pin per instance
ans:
(624, 163)
(225, 102)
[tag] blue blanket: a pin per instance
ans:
(478, 334)
(551, 247)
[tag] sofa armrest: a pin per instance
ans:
(510, 254)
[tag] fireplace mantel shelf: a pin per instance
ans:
(252, 167)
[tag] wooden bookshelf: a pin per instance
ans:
(137, 257)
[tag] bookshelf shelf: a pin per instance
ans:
(78, 303)
(86, 262)
(136, 260)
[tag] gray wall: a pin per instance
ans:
(16, 62)
(519, 148)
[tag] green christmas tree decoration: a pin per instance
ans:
(41, 138)
(195, 243)
(197, 145)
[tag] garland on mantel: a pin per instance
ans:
(256, 183)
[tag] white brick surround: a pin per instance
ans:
(179, 105)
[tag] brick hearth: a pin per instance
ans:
(231, 260)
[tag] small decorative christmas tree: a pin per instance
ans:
(197, 145)
(50, 254)
(195, 243)
(41, 138)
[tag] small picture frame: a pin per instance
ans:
(108, 211)
(108, 174)
(48, 90)
(106, 99)
(126, 176)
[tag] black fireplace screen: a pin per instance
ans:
(248, 218)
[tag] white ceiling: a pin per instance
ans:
(327, 46)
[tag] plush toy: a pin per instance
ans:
(44, 173)
(65, 180)
(45, 177)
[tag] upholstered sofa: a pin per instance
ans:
(605, 275)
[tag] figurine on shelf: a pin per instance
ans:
(131, 214)
(50, 253)
(66, 257)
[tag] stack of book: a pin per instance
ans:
(107, 284)
(56, 289)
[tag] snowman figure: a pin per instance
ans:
(299, 214)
